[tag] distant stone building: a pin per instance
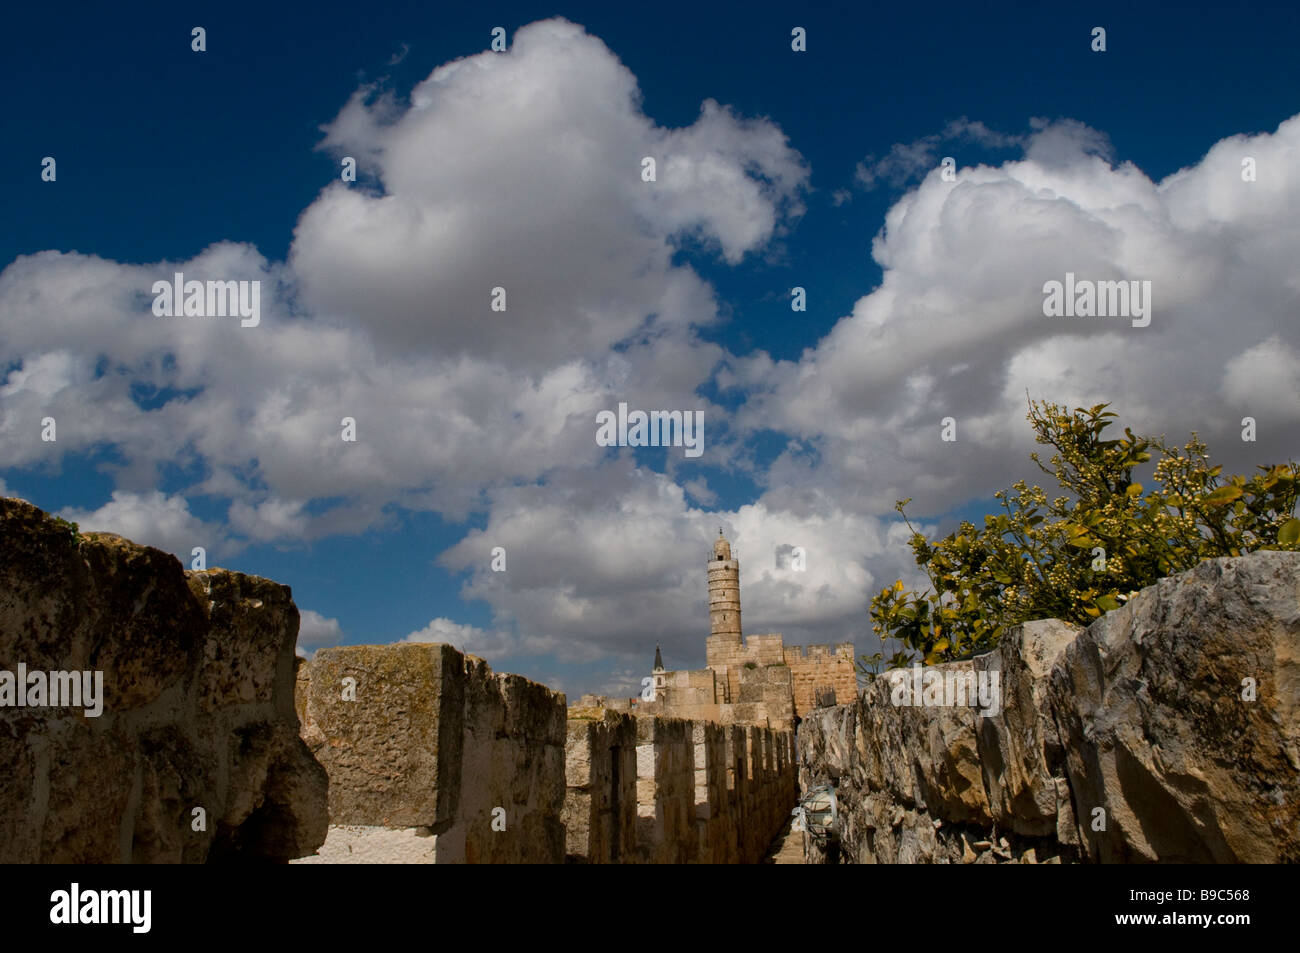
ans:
(758, 680)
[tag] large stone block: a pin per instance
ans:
(1020, 748)
(243, 658)
(1180, 717)
(600, 806)
(393, 748)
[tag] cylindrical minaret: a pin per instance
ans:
(724, 591)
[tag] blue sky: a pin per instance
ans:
(814, 169)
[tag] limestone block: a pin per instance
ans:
(95, 603)
(91, 773)
(512, 770)
(1149, 703)
(600, 808)
(1019, 746)
(394, 754)
(243, 661)
(175, 778)
(21, 800)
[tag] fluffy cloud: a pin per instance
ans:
(523, 171)
(467, 638)
(610, 562)
(153, 518)
(519, 170)
(315, 631)
(1267, 377)
(956, 327)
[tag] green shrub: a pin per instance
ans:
(72, 528)
(1084, 553)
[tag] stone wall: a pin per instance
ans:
(725, 655)
(689, 694)
(665, 790)
(601, 777)
(424, 743)
(783, 680)
(770, 690)
(1168, 730)
(697, 791)
(734, 658)
(195, 755)
(408, 753)
(820, 670)
(430, 752)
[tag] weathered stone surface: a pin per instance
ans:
(1149, 701)
(175, 778)
(1140, 715)
(601, 779)
(21, 803)
(243, 661)
(513, 763)
(392, 748)
(189, 661)
(435, 741)
(665, 790)
(94, 602)
(1023, 790)
(359, 844)
(90, 775)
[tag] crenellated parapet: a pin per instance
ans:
(701, 792)
(822, 675)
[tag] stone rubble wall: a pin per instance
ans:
(1166, 731)
(197, 709)
(436, 755)
(684, 792)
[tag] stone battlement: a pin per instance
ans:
(208, 740)
(646, 789)
(432, 758)
(841, 650)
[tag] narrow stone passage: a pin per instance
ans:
(787, 848)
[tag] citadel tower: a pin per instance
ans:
(754, 681)
(724, 592)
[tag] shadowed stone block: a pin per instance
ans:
(197, 708)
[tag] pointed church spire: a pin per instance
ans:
(659, 659)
